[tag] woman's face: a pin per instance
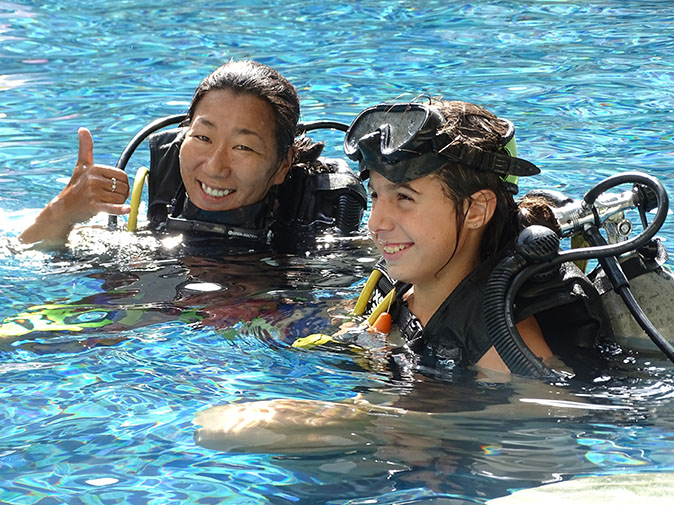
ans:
(414, 227)
(229, 157)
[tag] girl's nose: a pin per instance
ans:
(380, 220)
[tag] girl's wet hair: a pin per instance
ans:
(259, 80)
(471, 125)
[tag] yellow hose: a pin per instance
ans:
(383, 306)
(365, 294)
(136, 195)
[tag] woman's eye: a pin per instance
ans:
(203, 138)
(404, 197)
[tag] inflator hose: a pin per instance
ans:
(136, 141)
(350, 213)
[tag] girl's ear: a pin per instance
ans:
(481, 209)
(282, 170)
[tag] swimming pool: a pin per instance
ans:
(105, 415)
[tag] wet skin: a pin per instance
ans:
(229, 156)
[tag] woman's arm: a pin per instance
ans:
(91, 189)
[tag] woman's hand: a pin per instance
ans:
(92, 189)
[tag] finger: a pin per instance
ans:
(119, 189)
(85, 154)
(110, 172)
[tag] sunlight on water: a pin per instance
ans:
(110, 351)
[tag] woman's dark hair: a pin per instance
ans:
(256, 79)
(471, 125)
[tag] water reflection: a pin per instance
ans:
(461, 434)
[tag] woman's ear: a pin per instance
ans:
(284, 166)
(481, 209)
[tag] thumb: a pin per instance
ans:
(85, 155)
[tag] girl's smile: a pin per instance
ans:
(414, 226)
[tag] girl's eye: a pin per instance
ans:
(404, 197)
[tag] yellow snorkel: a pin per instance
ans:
(379, 319)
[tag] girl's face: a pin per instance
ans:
(228, 158)
(414, 227)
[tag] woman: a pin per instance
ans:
(216, 172)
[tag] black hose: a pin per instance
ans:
(645, 323)
(349, 213)
(318, 125)
(512, 272)
(621, 285)
(143, 134)
(501, 324)
(136, 141)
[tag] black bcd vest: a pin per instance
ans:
(565, 303)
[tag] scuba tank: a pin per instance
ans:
(653, 287)
(643, 268)
(630, 271)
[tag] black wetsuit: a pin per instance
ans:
(566, 306)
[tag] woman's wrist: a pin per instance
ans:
(51, 227)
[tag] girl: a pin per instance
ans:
(443, 214)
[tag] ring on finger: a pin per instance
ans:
(114, 184)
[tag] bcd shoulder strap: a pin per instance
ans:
(333, 196)
(164, 177)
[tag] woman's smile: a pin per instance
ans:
(229, 156)
(215, 192)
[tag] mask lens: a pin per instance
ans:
(404, 121)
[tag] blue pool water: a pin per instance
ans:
(105, 415)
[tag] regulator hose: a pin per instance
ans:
(504, 282)
(350, 213)
(536, 252)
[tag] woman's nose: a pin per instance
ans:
(219, 162)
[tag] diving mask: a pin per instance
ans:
(400, 141)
